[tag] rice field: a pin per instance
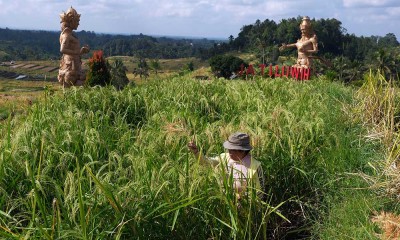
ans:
(17, 96)
(105, 164)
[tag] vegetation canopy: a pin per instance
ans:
(111, 161)
(100, 163)
(226, 65)
(98, 73)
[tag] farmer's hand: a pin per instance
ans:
(192, 147)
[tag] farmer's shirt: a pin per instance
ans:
(246, 172)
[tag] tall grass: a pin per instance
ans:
(379, 110)
(376, 108)
(99, 164)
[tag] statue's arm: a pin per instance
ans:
(284, 46)
(314, 43)
(315, 48)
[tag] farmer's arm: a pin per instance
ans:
(203, 160)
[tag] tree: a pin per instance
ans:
(142, 69)
(155, 65)
(225, 66)
(386, 63)
(242, 39)
(262, 45)
(231, 38)
(330, 35)
(389, 40)
(189, 66)
(118, 74)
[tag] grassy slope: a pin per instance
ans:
(100, 163)
(17, 96)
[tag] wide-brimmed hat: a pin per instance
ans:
(238, 141)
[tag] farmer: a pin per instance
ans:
(245, 170)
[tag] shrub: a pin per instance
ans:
(98, 73)
(118, 75)
(142, 69)
(224, 66)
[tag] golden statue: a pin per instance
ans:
(306, 45)
(70, 73)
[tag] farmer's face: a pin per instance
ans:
(236, 155)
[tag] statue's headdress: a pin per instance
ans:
(70, 15)
(306, 22)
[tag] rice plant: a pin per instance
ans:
(105, 164)
(378, 109)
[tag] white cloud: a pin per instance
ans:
(172, 9)
(395, 11)
(197, 17)
(370, 3)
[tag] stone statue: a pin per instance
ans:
(306, 45)
(70, 73)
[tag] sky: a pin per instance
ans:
(198, 18)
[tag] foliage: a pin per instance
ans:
(349, 218)
(343, 70)
(387, 63)
(189, 66)
(98, 73)
(360, 53)
(142, 69)
(378, 109)
(225, 65)
(155, 65)
(118, 74)
(44, 45)
(332, 38)
(261, 39)
(29, 45)
(100, 163)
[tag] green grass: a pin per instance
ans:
(17, 96)
(98, 163)
(349, 216)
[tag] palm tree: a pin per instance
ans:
(142, 70)
(262, 44)
(118, 74)
(386, 62)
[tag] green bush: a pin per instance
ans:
(98, 73)
(118, 75)
(225, 66)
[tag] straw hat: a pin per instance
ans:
(238, 141)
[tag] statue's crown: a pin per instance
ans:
(71, 14)
(306, 21)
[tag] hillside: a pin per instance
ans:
(44, 45)
(100, 163)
